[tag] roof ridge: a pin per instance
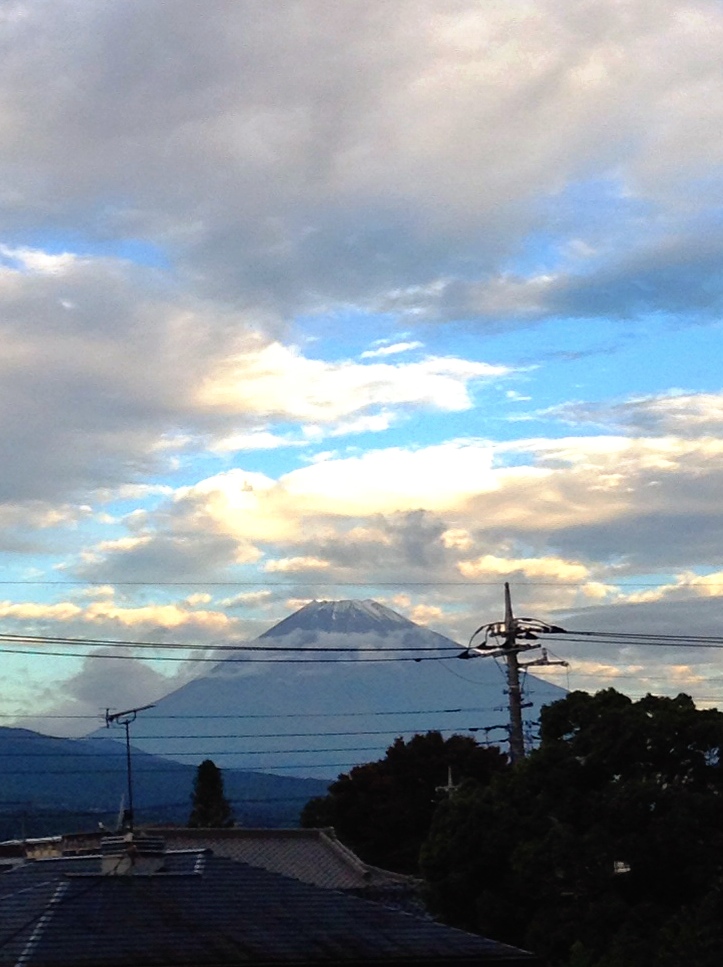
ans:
(329, 834)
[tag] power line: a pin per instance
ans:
(266, 735)
(200, 582)
(216, 661)
(641, 639)
(685, 645)
(273, 715)
(158, 771)
(90, 755)
(156, 645)
(262, 735)
(639, 634)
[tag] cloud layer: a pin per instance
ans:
(302, 299)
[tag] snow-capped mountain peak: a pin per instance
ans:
(342, 617)
(345, 681)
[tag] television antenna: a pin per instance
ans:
(125, 719)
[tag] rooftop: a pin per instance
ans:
(210, 911)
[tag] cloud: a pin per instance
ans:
(674, 275)
(88, 393)
(104, 682)
(394, 349)
(579, 510)
(286, 565)
(391, 146)
(260, 383)
(255, 440)
(106, 616)
(679, 414)
(100, 397)
(534, 567)
(189, 197)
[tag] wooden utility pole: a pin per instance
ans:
(509, 638)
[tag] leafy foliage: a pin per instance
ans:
(210, 808)
(383, 810)
(595, 851)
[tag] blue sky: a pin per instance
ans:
(393, 300)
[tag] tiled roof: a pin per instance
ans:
(311, 855)
(209, 911)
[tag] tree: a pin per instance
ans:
(210, 808)
(382, 810)
(592, 849)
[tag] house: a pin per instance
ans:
(138, 904)
(313, 856)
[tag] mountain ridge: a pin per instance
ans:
(53, 784)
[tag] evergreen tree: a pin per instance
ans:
(382, 810)
(210, 808)
(604, 848)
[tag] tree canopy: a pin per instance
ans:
(382, 810)
(210, 808)
(604, 848)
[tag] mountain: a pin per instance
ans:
(51, 785)
(335, 700)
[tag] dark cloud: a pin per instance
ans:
(384, 544)
(162, 557)
(105, 682)
(687, 415)
(301, 154)
(682, 613)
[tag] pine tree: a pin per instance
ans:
(210, 808)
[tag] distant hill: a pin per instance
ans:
(324, 711)
(51, 785)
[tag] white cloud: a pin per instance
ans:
(533, 567)
(255, 440)
(278, 381)
(285, 565)
(105, 614)
(394, 349)
(564, 503)
(38, 261)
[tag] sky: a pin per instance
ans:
(317, 300)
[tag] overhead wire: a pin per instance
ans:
(274, 715)
(642, 639)
(216, 661)
(327, 583)
(189, 646)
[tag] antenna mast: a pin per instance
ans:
(125, 719)
(509, 638)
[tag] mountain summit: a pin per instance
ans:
(345, 617)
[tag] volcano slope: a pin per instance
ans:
(334, 684)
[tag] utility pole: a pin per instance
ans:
(125, 719)
(514, 695)
(508, 639)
